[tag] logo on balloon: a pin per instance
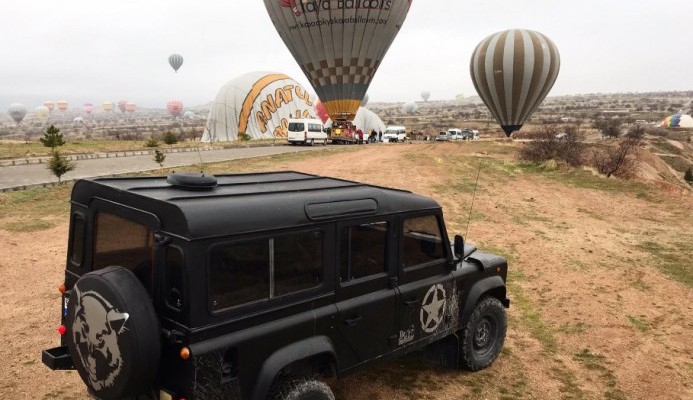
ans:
(292, 5)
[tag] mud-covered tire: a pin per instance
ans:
(301, 389)
(113, 334)
(483, 335)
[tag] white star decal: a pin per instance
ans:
(433, 308)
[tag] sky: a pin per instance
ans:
(95, 51)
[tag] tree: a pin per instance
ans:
(152, 142)
(159, 157)
(52, 138)
(170, 138)
(59, 165)
(618, 161)
(609, 127)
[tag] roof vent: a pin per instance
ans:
(192, 181)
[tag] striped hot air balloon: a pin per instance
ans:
(130, 107)
(175, 61)
(17, 111)
(107, 106)
(62, 105)
(42, 113)
(513, 71)
(122, 104)
(339, 45)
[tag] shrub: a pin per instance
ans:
(152, 142)
(159, 157)
(547, 144)
(244, 136)
(170, 138)
(618, 161)
(59, 165)
(608, 127)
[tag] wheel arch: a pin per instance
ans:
(318, 348)
(493, 286)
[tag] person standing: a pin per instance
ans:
(360, 133)
(380, 135)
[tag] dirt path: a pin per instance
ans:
(595, 312)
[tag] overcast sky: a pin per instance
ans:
(97, 51)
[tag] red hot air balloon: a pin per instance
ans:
(321, 111)
(175, 108)
(130, 107)
(88, 108)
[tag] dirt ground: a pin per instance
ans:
(600, 295)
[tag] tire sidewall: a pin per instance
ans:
(489, 313)
(301, 389)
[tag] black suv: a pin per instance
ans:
(255, 286)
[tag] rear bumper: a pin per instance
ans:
(57, 358)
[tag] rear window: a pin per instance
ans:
(119, 241)
(296, 126)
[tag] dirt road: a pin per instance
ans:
(601, 301)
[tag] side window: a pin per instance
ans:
(78, 229)
(174, 277)
(241, 273)
(421, 241)
(362, 250)
(119, 241)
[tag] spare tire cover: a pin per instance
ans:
(113, 333)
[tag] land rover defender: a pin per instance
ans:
(255, 286)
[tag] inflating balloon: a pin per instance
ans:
(410, 108)
(513, 71)
(175, 108)
(130, 107)
(17, 111)
(175, 61)
(365, 100)
(107, 106)
(339, 45)
(50, 105)
(321, 111)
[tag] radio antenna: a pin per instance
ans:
(476, 185)
(202, 165)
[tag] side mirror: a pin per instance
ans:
(459, 246)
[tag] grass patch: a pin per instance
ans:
(680, 164)
(672, 261)
(34, 209)
(597, 362)
(569, 387)
(531, 317)
(578, 327)
(639, 322)
(663, 146)
(28, 226)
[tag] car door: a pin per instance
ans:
(426, 291)
(365, 293)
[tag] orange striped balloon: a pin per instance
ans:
(513, 71)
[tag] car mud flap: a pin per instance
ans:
(57, 358)
(444, 352)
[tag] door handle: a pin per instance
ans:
(412, 302)
(353, 320)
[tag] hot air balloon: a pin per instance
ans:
(88, 108)
(340, 58)
(410, 108)
(78, 120)
(107, 106)
(42, 113)
(175, 61)
(321, 111)
(513, 71)
(121, 106)
(365, 100)
(130, 107)
(174, 107)
(62, 105)
(50, 105)
(17, 111)
(189, 115)
(425, 95)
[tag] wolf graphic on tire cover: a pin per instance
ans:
(95, 330)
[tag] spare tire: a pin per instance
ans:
(113, 334)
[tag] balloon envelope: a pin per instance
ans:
(365, 100)
(107, 106)
(42, 113)
(425, 95)
(410, 108)
(17, 111)
(62, 105)
(50, 105)
(130, 107)
(321, 111)
(88, 108)
(339, 45)
(122, 106)
(513, 71)
(175, 61)
(174, 107)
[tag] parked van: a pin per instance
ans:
(306, 131)
(455, 134)
(395, 134)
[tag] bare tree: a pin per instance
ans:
(619, 161)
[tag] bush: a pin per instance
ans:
(170, 138)
(609, 127)
(547, 144)
(618, 161)
(152, 142)
(159, 157)
(244, 136)
(59, 165)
